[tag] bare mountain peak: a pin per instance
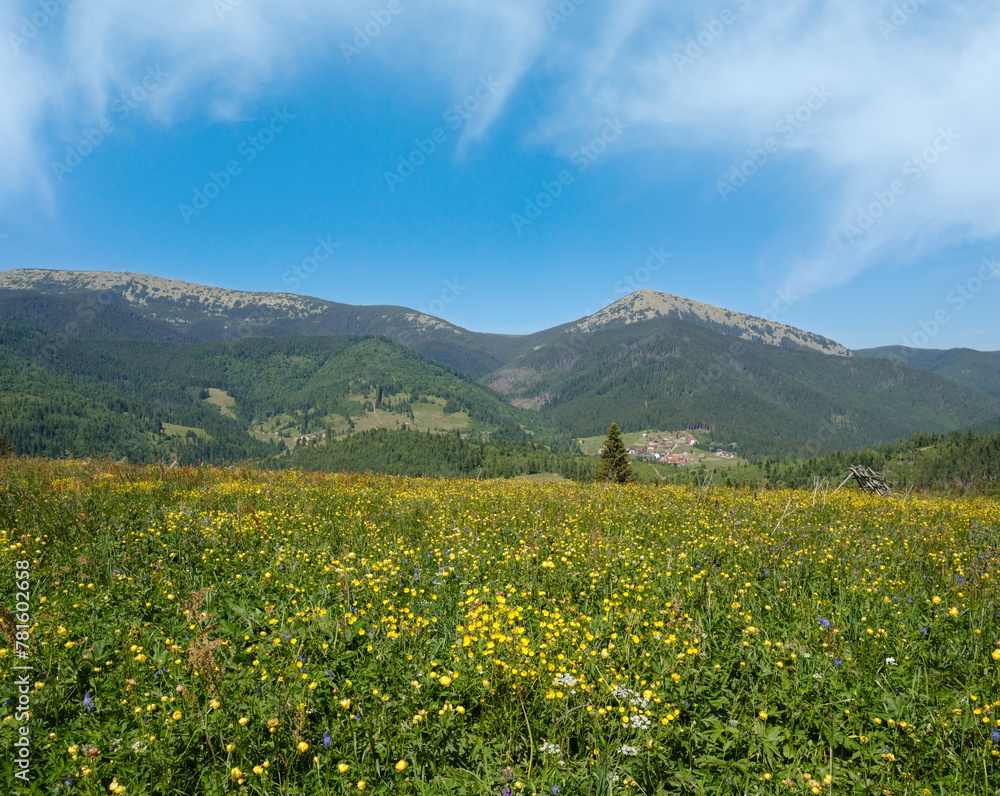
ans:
(139, 289)
(183, 303)
(645, 305)
(146, 290)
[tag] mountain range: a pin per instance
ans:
(139, 365)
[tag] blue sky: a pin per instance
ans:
(511, 165)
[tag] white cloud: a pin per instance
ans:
(713, 79)
(24, 91)
(221, 54)
(460, 42)
(720, 83)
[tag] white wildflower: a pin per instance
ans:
(639, 722)
(634, 698)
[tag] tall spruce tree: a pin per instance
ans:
(614, 463)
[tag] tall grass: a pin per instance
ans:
(237, 631)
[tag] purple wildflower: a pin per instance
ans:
(88, 703)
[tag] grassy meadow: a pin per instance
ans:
(217, 631)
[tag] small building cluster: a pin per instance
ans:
(663, 449)
(309, 439)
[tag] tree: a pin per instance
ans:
(614, 464)
(5, 449)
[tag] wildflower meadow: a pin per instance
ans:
(236, 631)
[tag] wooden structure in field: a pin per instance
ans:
(868, 480)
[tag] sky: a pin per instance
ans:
(511, 165)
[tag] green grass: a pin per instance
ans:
(427, 416)
(552, 478)
(217, 631)
(175, 430)
(221, 399)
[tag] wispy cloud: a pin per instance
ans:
(222, 54)
(718, 81)
(687, 79)
(459, 42)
